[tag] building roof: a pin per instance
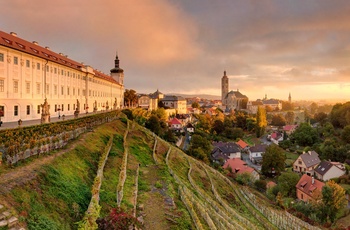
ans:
(305, 184)
(173, 98)
(238, 166)
(325, 166)
(270, 102)
(226, 147)
(310, 158)
(276, 135)
(33, 48)
(258, 148)
(289, 127)
(241, 144)
(175, 121)
(256, 103)
(237, 94)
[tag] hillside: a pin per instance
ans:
(146, 176)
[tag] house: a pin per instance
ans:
(256, 152)
(147, 102)
(183, 118)
(190, 128)
(306, 163)
(289, 129)
(175, 102)
(273, 103)
(242, 144)
(239, 167)
(276, 137)
(175, 124)
(253, 106)
(225, 150)
(308, 188)
(327, 170)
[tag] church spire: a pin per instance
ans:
(116, 61)
(290, 98)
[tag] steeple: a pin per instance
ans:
(224, 88)
(116, 68)
(290, 98)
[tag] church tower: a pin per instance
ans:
(290, 98)
(117, 73)
(224, 88)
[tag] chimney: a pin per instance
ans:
(46, 47)
(35, 42)
(13, 34)
(312, 180)
(61, 54)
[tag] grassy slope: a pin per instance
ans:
(60, 195)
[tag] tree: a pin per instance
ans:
(313, 108)
(199, 148)
(233, 133)
(273, 158)
(261, 122)
(241, 119)
(345, 134)
(160, 113)
(304, 135)
(290, 118)
(130, 97)
(218, 127)
(153, 124)
(278, 120)
(287, 182)
(333, 199)
(195, 105)
(268, 108)
(286, 106)
(320, 117)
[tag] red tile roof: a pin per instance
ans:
(238, 166)
(32, 48)
(305, 185)
(289, 127)
(175, 121)
(241, 143)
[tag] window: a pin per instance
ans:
(78, 92)
(1, 57)
(55, 89)
(61, 71)
(27, 63)
(38, 109)
(47, 68)
(47, 89)
(15, 110)
(68, 73)
(62, 90)
(2, 110)
(28, 109)
(68, 107)
(28, 87)
(15, 60)
(62, 107)
(38, 86)
(73, 106)
(38, 66)
(15, 86)
(55, 70)
(73, 91)
(2, 85)
(67, 90)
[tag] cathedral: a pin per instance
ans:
(32, 75)
(232, 100)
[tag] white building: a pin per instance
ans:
(29, 74)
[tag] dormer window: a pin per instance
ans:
(7, 41)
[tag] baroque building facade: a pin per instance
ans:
(31, 74)
(232, 100)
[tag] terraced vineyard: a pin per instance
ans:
(149, 179)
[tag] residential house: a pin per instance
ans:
(289, 129)
(190, 128)
(239, 167)
(175, 124)
(306, 163)
(275, 137)
(147, 102)
(327, 170)
(308, 188)
(183, 118)
(175, 102)
(225, 150)
(244, 146)
(256, 152)
(252, 106)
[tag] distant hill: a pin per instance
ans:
(204, 96)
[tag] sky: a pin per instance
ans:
(272, 47)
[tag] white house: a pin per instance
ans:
(327, 170)
(256, 152)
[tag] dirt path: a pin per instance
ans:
(21, 175)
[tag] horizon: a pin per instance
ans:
(266, 47)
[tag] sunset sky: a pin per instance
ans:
(183, 46)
